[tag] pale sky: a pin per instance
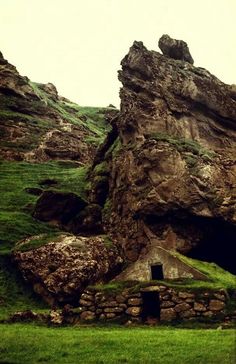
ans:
(78, 44)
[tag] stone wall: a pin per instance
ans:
(173, 305)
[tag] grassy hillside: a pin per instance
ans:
(16, 204)
(16, 221)
(36, 117)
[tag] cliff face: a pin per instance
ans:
(162, 183)
(173, 179)
(38, 125)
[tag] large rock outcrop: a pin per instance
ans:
(60, 269)
(38, 125)
(173, 178)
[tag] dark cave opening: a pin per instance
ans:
(217, 245)
(208, 239)
(151, 305)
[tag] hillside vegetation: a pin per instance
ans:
(115, 345)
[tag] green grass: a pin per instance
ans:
(91, 118)
(219, 278)
(15, 294)
(185, 145)
(38, 241)
(37, 344)
(16, 221)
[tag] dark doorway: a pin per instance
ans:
(157, 271)
(151, 305)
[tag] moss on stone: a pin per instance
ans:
(185, 145)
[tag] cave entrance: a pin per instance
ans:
(151, 306)
(157, 271)
(207, 239)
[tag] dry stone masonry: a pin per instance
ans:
(174, 305)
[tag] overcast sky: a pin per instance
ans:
(78, 44)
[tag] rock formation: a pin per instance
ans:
(164, 179)
(61, 269)
(172, 177)
(38, 125)
(174, 48)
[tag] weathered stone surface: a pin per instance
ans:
(172, 181)
(216, 305)
(189, 300)
(199, 307)
(185, 295)
(208, 314)
(164, 296)
(85, 303)
(108, 304)
(110, 315)
(167, 314)
(37, 124)
(113, 309)
(87, 316)
(56, 317)
(87, 297)
(177, 299)
(123, 306)
(187, 314)
(134, 311)
(182, 307)
(166, 304)
(150, 289)
(62, 269)
(120, 299)
(134, 295)
(174, 48)
(100, 297)
(220, 296)
(135, 301)
(27, 316)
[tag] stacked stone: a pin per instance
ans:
(174, 305)
(110, 307)
(87, 306)
(188, 305)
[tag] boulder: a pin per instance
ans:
(174, 48)
(61, 269)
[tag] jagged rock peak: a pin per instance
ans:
(3, 61)
(173, 48)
